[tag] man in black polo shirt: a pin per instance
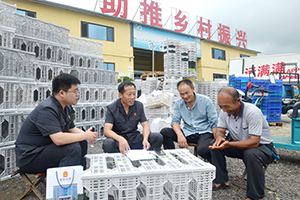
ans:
(48, 138)
(121, 122)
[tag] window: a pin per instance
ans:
(109, 66)
(219, 76)
(218, 54)
(27, 13)
(95, 31)
(243, 56)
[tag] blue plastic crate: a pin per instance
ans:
(275, 95)
(275, 88)
(274, 105)
(274, 111)
(274, 118)
(260, 82)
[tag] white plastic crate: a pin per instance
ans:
(97, 125)
(152, 177)
(8, 15)
(200, 190)
(162, 112)
(40, 92)
(46, 72)
(35, 28)
(158, 100)
(11, 122)
(7, 161)
(15, 94)
(116, 174)
(86, 113)
(85, 46)
(16, 64)
(202, 175)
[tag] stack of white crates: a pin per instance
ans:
(174, 176)
(211, 89)
(192, 56)
(149, 85)
(179, 60)
(32, 53)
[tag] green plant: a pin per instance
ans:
(125, 78)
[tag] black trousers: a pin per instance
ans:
(203, 141)
(135, 141)
(254, 158)
(57, 156)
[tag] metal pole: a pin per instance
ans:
(153, 60)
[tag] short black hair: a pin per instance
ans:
(186, 81)
(63, 82)
(123, 84)
(231, 91)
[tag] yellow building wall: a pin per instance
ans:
(207, 66)
(118, 52)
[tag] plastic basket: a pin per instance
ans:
(8, 158)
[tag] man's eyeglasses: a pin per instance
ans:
(75, 92)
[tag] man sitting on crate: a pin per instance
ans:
(48, 138)
(200, 120)
(122, 118)
(250, 140)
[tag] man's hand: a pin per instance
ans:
(123, 146)
(90, 135)
(146, 145)
(219, 144)
(182, 143)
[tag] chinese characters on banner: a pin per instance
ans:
(204, 27)
(180, 20)
(151, 13)
(119, 10)
(223, 34)
(241, 38)
(263, 71)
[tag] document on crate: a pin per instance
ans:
(142, 154)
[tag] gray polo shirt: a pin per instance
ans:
(249, 122)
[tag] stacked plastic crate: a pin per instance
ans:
(272, 105)
(32, 53)
(172, 59)
(185, 60)
(211, 89)
(98, 87)
(192, 59)
(149, 85)
(158, 105)
(15, 89)
(179, 60)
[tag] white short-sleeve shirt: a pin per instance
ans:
(249, 122)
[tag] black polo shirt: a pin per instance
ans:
(122, 123)
(46, 119)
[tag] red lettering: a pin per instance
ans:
(180, 22)
(224, 34)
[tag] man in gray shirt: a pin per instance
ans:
(250, 140)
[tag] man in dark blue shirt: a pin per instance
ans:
(48, 138)
(121, 122)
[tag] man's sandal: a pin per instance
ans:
(222, 186)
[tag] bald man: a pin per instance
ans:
(250, 140)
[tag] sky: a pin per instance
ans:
(272, 26)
